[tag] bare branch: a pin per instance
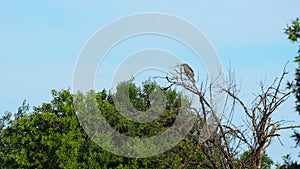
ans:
(257, 132)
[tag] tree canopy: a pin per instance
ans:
(51, 136)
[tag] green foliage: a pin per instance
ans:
(52, 137)
(296, 137)
(266, 162)
(288, 163)
(293, 33)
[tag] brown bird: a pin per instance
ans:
(188, 71)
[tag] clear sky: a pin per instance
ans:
(40, 42)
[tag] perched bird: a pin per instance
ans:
(188, 71)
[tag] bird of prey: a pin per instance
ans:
(188, 71)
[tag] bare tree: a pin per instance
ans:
(254, 134)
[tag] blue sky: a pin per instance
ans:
(40, 42)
